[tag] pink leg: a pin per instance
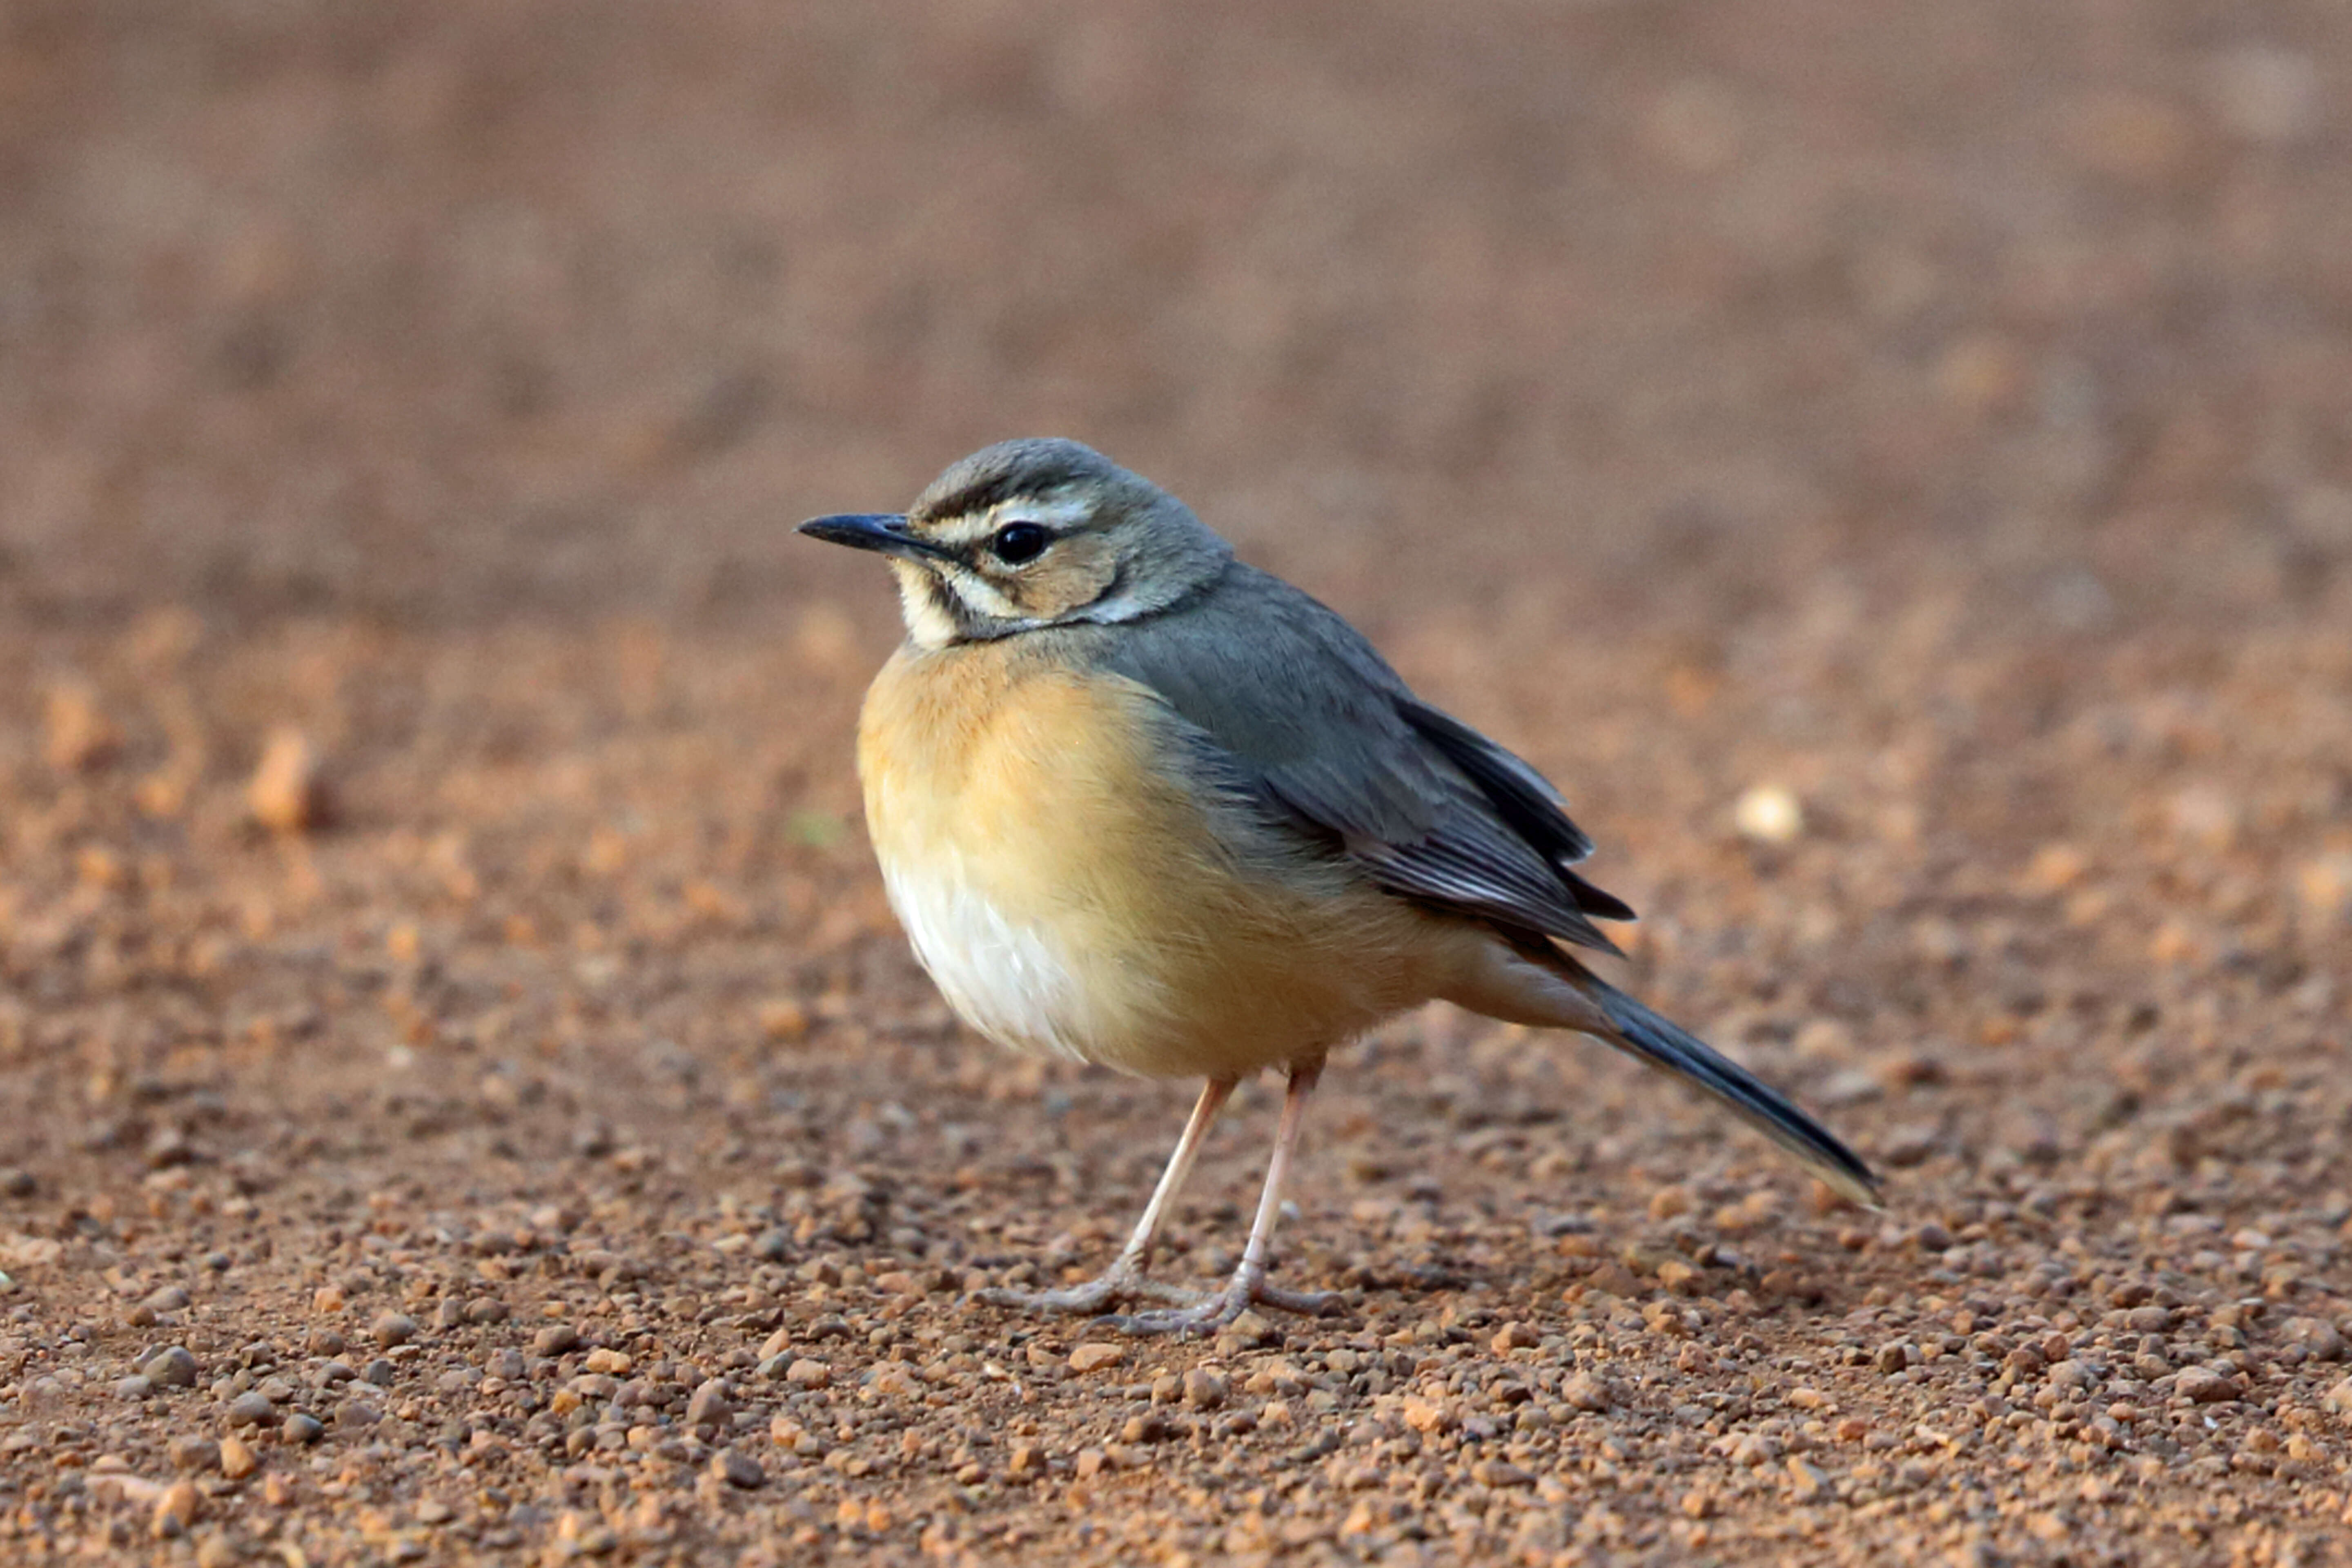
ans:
(1123, 1279)
(1248, 1286)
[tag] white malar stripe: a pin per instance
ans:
(1004, 979)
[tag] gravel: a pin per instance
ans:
(250, 1410)
(189, 1453)
(392, 1330)
(712, 1405)
(1205, 1388)
(738, 1468)
(463, 1095)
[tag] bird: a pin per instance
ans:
(1139, 805)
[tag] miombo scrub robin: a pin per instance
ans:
(1139, 803)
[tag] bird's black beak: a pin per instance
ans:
(882, 532)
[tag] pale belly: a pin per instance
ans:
(1069, 898)
(1219, 998)
(1006, 978)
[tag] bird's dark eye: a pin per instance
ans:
(1018, 542)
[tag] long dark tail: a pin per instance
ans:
(1556, 991)
(1671, 1049)
(1528, 980)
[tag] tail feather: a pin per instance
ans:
(1669, 1048)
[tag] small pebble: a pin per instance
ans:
(1908, 1146)
(176, 1510)
(738, 1468)
(710, 1406)
(237, 1460)
(782, 1018)
(555, 1339)
(2205, 1386)
(1515, 1337)
(251, 1409)
(1096, 1356)
(1769, 814)
(1500, 1473)
(300, 1428)
(170, 1367)
(189, 1453)
(77, 735)
(1430, 1415)
(287, 793)
(1205, 1389)
(1678, 1276)
(1582, 1391)
(392, 1330)
(1250, 1330)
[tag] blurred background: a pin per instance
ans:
(1891, 461)
(447, 311)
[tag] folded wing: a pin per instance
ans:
(1305, 714)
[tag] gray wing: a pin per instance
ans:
(1314, 721)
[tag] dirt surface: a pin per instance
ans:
(462, 1096)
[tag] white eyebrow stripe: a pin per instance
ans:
(1056, 515)
(970, 528)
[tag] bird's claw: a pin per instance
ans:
(1213, 1312)
(1120, 1282)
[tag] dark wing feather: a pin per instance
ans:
(1308, 717)
(1523, 797)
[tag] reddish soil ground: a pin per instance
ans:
(462, 1095)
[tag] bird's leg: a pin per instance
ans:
(1248, 1286)
(1124, 1280)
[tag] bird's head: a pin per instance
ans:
(1033, 533)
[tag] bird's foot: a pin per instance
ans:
(1123, 1282)
(1207, 1315)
